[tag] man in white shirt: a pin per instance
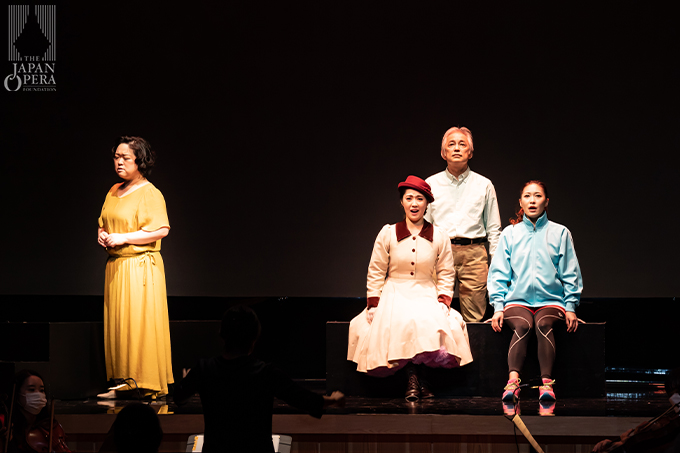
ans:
(466, 208)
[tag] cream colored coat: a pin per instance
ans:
(409, 324)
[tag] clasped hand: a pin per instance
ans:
(110, 240)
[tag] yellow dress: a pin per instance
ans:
(136, 325)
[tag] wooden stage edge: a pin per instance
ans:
(384, 424)
(371, 433)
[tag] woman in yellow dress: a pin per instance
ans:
(132, 223)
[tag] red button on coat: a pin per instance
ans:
(414, 250)
(414, 238)
(412, 263)
(411, 273)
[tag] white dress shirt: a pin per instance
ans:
(465, 207)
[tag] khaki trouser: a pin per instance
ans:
(471, 263)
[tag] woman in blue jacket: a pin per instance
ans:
(534, 282)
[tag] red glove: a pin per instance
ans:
(372, 302)
(446, 300)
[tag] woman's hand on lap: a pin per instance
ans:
(572, 321)
(445, 301)
(497, 321)
(369, 314)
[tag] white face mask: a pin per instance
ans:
(33, 402)
(675, 400)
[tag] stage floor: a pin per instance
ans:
(379, 424)
(623, 400)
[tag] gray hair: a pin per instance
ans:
(463, 130)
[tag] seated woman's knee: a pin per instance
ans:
(545, 324)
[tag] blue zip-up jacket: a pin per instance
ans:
(535, 266)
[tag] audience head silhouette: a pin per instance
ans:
(240, 330)
(137, 429)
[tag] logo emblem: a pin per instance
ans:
(32, 50)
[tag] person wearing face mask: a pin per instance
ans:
(31, 417)
(408, 321)
(534, 283)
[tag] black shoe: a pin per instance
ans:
(425, 392)
(413, 389)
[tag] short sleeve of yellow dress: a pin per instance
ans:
(136, 325)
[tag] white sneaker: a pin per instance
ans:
(121, 387)
(110, 395)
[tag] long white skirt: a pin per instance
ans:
(409, 325)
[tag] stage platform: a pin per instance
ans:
(393, 425)
(622, 387)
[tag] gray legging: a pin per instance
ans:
(521, 320)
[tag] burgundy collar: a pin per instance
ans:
(426, 232)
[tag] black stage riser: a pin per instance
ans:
(293, 328)
(579, 368)
(74, 368)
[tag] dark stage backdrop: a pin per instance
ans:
(283, 131)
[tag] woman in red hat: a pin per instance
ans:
(408, 321)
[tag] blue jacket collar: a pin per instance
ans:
(540, 223)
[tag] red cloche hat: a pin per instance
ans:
(414, 182)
